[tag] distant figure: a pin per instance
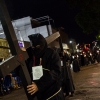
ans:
(2, 87)
(76, 66)
(14, 82)
(98, 57)
(67, 83)
(82, 60)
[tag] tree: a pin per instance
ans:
(88, 17)
(98, 36)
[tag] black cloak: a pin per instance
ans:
(50, 82)
(76, 67)
(67, 82)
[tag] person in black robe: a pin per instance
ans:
(67, 83)
(48, 87)
(82, 60)
(98, 57)
(76, 66)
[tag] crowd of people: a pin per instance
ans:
(9, 83)
(84, 59)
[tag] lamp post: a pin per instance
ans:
(73, 45)
(71, 42)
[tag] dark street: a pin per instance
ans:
(87, 84)
(46, 45)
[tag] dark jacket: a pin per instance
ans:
(50, 82)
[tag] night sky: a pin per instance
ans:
(56, 9)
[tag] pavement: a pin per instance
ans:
(87, 84)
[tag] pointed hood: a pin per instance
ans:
(38, 44)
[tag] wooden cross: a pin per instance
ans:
(18, 56)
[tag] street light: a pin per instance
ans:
(73, 45)
(71, 42)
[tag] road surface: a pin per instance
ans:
(87, 84)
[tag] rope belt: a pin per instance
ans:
(54, 94)
(45, 69)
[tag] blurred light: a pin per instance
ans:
(78, 44)
(84, 55)
(77, 50)
(97, 51)
(90, 54)
(73, 57)
(9, 51)
(2, 33)
(21, 43)
(70, 41)
(71, 66)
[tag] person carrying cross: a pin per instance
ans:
(45, 69)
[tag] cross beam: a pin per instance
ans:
(49, 39)
(53, 37)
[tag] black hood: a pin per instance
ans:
(38, 44)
